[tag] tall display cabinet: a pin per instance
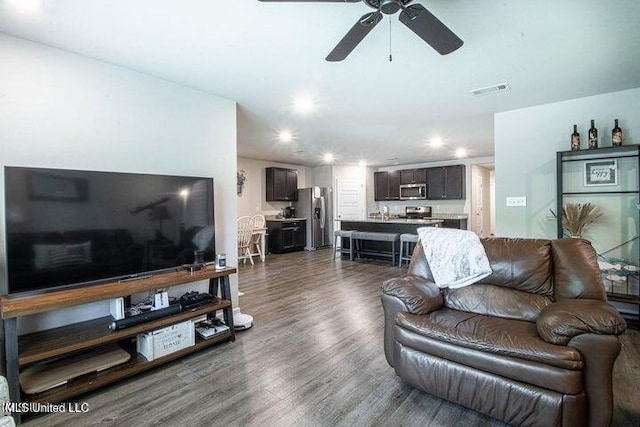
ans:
(608, 178)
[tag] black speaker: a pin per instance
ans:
(116, 325)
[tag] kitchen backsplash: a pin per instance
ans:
(447, 207)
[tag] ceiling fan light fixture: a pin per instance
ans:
(389, 7)
(414, 16)
(500, 87)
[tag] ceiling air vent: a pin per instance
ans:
(501, 87)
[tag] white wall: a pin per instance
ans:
(253, 197)
(63, 110)
(322, 176)
(526, 142)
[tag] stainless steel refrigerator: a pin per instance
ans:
(316, 205)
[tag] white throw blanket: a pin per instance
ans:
(456, 257)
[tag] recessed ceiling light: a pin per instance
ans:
(304, 104)
(362, 163)
(461, 152)
(436, 142)
(27, 5)
(501, 87)
(285, 136)
(328, 157)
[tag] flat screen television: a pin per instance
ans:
(68, 228)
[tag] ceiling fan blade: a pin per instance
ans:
(355, 35)
(430, 29)
(311, 1)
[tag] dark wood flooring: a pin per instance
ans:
(313, 358)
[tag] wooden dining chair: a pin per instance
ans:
(245, 232)
(255, 246)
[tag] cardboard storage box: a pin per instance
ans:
(161, 342)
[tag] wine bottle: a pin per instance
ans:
(593, 136)
(616, 135)
(575, 139)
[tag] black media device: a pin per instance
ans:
(194, 299)
(67, 228)
(127, 322)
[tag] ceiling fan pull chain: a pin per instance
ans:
(390, 57)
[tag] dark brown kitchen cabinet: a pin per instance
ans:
(287, 236)
(282, 185)
(446, 183)
(413, 176)
(386, 185)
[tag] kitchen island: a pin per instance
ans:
(458, 221)
(394, 225)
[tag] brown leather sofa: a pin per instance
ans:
(533, 344)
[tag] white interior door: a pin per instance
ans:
(478, 200)
(350, 199)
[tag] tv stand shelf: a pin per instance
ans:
(41, 346)
(51, 343)
(135, 365)
(32, 304)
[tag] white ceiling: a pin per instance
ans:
(263, 54)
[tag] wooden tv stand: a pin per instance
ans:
(41, 346)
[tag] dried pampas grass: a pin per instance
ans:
(577, 217)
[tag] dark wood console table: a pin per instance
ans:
(41, 346)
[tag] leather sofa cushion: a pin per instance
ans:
(504, 337)
(515, 403)
(521, 264)
(497, 301)
(565, 381)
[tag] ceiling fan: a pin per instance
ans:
(415, 16)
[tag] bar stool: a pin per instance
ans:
(358, 237)
(342, 234)
(406, 241)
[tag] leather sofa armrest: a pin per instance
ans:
(411, 294)
(419, 296)
(561, 321)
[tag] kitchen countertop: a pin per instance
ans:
(449, 216)
(395, 221)
(286, 219)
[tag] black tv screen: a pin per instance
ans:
(70, 227)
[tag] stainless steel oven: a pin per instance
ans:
(413, 192)
(417, 212)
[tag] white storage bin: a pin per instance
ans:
(158, 343)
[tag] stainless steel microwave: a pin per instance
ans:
(413, 192)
